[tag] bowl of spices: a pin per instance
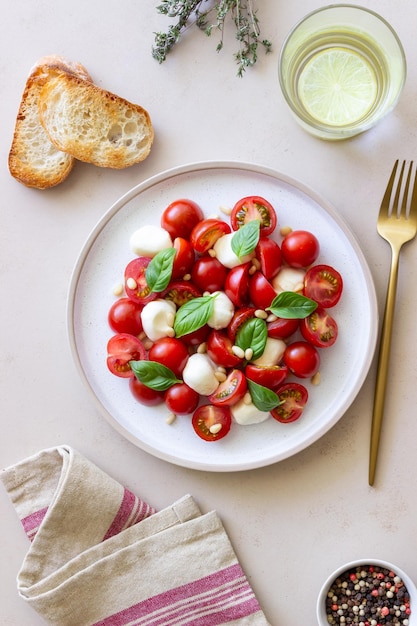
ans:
(369, 592)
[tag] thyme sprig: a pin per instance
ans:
(189, 12)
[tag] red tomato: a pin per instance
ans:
(180, 292)
(180, 217)
(300, 248)
(236, 286)
(268, 376)
(125, 316)
(181, 399)
(230, 391)
(145, 395)
(217, 418)
(254, 208)
(324, 285)
(208, 274)
(219, 349)
(197, 337)
(239, 318)
(135, 273)
(282, 328)
(171, 352)
(302, 359)
(184, 258)
(205, 234)
(294, 398)
(269, 255)
(121, 349)
(319, 328)
(261, 291)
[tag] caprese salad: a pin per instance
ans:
(221, 321)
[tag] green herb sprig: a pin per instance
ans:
(242, 13)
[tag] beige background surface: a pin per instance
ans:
(291, 523)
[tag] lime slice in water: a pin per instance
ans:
(337, 86)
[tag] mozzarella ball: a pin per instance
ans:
(158, 319)
(199, 374)
(149, 240)
(223, 311)
(245, 414)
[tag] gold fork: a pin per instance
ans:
(397, 224)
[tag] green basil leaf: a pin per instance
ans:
(263, 398)
(245, 239)
(193, 315)
(253, 334)
(291, 305)
(159, 271)
(154, 375)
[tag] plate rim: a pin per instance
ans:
(189, 168)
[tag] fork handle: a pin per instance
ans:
(383, 363)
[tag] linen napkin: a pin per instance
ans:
(100, 556)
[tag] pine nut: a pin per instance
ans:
(215, 428)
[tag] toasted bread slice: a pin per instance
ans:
(92, 124)
(33, 159)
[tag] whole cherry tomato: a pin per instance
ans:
(180, 217)
(300, 248)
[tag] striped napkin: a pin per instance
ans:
(100, 556)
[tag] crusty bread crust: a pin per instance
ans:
(33, 159)
(92, 124)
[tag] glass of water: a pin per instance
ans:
(341, 69)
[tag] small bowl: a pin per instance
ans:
(365, 564)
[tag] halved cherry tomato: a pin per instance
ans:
(184, 258)
(261, 291)
(135, 281)
(144, 394)
(324, 285)
(236, 286)
(293, 397)
(180, 217)
(282, 328)
(171, 352)
(125, 316)
(269, 256)
(239, 318)
(231, 390)
(319, 328)
(254, 208)
(205, 234)
(219, 349)
(208, 274)
(181, 399)
(121, 349)
(180, 292)
(271, 376)
(217, 418)
(300, 248)
(302, 359)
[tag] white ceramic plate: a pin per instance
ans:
(100, 267)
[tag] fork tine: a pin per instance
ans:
(386, 200)
(413, 201)
(405, 199)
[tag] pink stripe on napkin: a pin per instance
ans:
(131, 511)
(210, 601)
(32, 522)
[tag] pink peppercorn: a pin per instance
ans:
(385, 611)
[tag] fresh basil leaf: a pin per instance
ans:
(291, 305)
(245, 239)
(159, 271)
(154, 375)
(263, 398)
(193, 315)
(253, 334)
